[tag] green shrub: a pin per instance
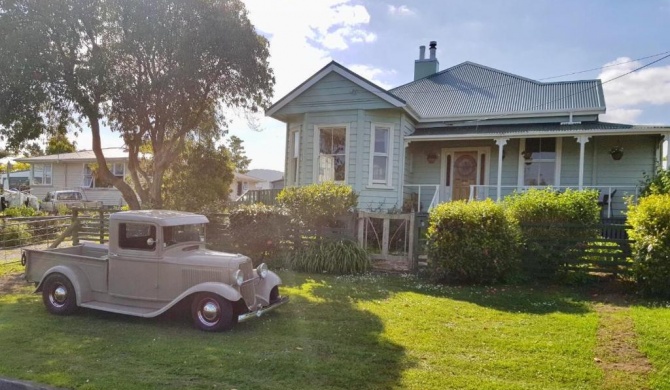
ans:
(329, 256)
(21, 211)
(656, 184)
(555, 227)
(650, 231)
(255, 230)
(471, 243)
(14, 235)
(318, 205)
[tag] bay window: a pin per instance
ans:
(332, 153)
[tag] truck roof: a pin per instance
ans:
(160, 217)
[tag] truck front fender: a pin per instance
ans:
(220, 289)
(76, 276)
(265, 285)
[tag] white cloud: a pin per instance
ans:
(302, 34)
(373, 74)
(401, 10)
(649, 85)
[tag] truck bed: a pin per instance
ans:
(91, 259)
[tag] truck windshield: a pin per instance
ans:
(173, 235)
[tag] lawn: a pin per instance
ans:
(652, 323)
(366, 332)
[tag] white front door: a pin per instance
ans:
(461, 169)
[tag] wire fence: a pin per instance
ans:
(41, 232)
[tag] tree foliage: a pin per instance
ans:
(199, 177)
(240, 160)
(59, 143)
(155, 71)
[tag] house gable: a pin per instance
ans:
(334, 88)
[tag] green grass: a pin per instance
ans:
(652, 324)
(375, 332)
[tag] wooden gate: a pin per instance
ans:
(388, 238)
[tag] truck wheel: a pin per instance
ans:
(212, 313)
(58, 295)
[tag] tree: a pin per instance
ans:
(154, 70)
(201, 177)
(240, 160)
(59, 143)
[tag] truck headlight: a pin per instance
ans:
(239, 277)
(262, 270)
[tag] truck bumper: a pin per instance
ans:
(257, 313)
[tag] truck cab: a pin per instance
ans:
(155, 259)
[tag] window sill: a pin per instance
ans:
(379, 187)
(42, 185)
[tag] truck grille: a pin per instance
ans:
(248, 290)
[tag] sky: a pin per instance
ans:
(537, 39)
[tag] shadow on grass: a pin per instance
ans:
(315, 341)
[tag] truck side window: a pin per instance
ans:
(135, 236)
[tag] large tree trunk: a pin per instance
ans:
(126, 191)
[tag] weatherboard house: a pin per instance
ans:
(466, 132)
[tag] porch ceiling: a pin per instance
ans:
(533, 130)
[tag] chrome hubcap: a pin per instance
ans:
(59, 295)
(209, 311)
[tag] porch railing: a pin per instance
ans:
(606, 199)
(421, 197)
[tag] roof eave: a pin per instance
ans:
(535, 134)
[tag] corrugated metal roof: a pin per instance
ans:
(82, 155)
(521, 129)
(473, 89)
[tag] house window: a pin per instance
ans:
(539, 162)
(380, 154)
(91, 179)
(295, 153)
(42, 174)
(332, 154)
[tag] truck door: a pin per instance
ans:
(133, 263)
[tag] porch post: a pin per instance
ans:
(501, 143)
(582, 139)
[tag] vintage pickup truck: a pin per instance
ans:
(156, 260)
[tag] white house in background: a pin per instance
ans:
(270, 178)
(77, 171)
(241, 184)
(17, 180)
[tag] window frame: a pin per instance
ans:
(153, 228)
(557, 163)
(51, 174)
(93, 185)
(317, 150)
(294, 156)
(388, 181)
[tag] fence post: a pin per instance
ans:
(76, 225)
(102, 226)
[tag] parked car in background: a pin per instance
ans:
(67, 198)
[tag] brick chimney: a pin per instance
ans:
(424, 67)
